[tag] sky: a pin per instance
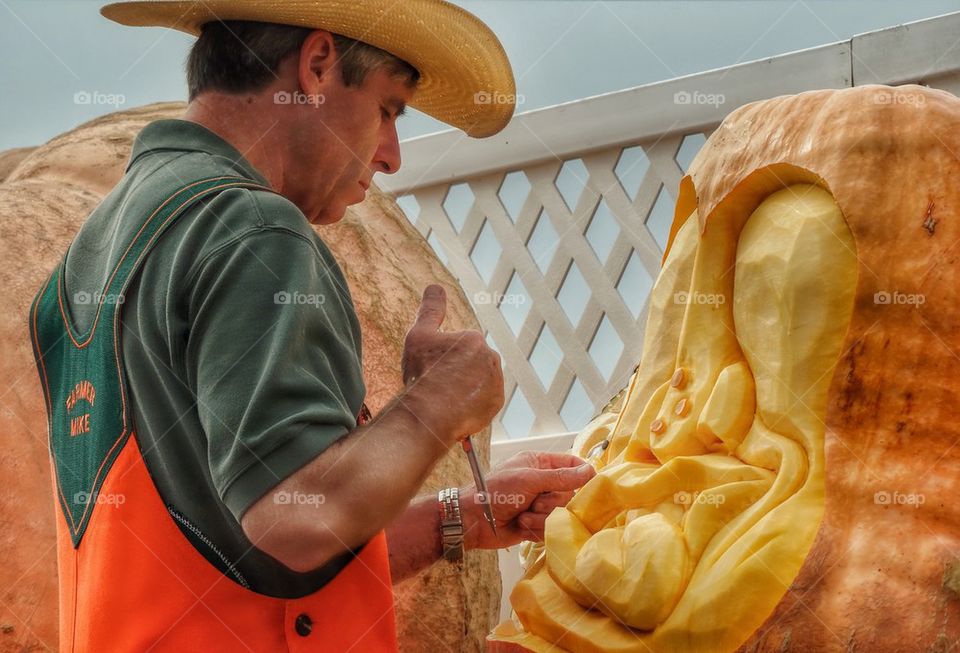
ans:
(64, 64)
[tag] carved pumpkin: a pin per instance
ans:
(782, 468)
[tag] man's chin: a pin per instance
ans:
(330, 215)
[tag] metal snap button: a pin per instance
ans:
(303, 625)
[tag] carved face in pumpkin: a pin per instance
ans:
(724, 481)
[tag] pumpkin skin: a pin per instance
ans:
(871, 563)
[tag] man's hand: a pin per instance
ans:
(454, 379)
(523, 490)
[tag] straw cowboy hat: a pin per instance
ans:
(465, 76)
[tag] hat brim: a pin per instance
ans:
(465, 76)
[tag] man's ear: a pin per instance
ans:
(317, 60)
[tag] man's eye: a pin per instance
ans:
(384, 113)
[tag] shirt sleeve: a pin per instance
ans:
(273, 357)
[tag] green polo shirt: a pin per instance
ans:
(240, 342)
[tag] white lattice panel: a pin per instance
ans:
(558, 259)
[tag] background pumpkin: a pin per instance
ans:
(45, 195)
(881, 573)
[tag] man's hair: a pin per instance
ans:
(238, 56)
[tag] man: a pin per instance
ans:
(220, 484)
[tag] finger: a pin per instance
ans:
(532, 536)
(533, 522)
(433, 308)
(543, 460)
(557, 460)
(513, 533)
(565, 479)
(546, 503)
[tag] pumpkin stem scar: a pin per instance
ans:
(930, 222)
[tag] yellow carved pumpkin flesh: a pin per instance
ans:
(783, 467)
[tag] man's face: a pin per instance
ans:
(341, 137)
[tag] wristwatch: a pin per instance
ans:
(451, 524)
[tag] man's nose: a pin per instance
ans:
(387, 157)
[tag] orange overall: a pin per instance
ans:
(130, 581)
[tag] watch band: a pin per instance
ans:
(451, 524)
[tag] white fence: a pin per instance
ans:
(556, 226)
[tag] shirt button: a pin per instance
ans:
(303, 625)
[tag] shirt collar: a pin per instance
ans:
(173, 135)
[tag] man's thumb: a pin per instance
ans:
(433, 308)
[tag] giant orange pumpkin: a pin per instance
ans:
(43, 200)
(782, 470)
